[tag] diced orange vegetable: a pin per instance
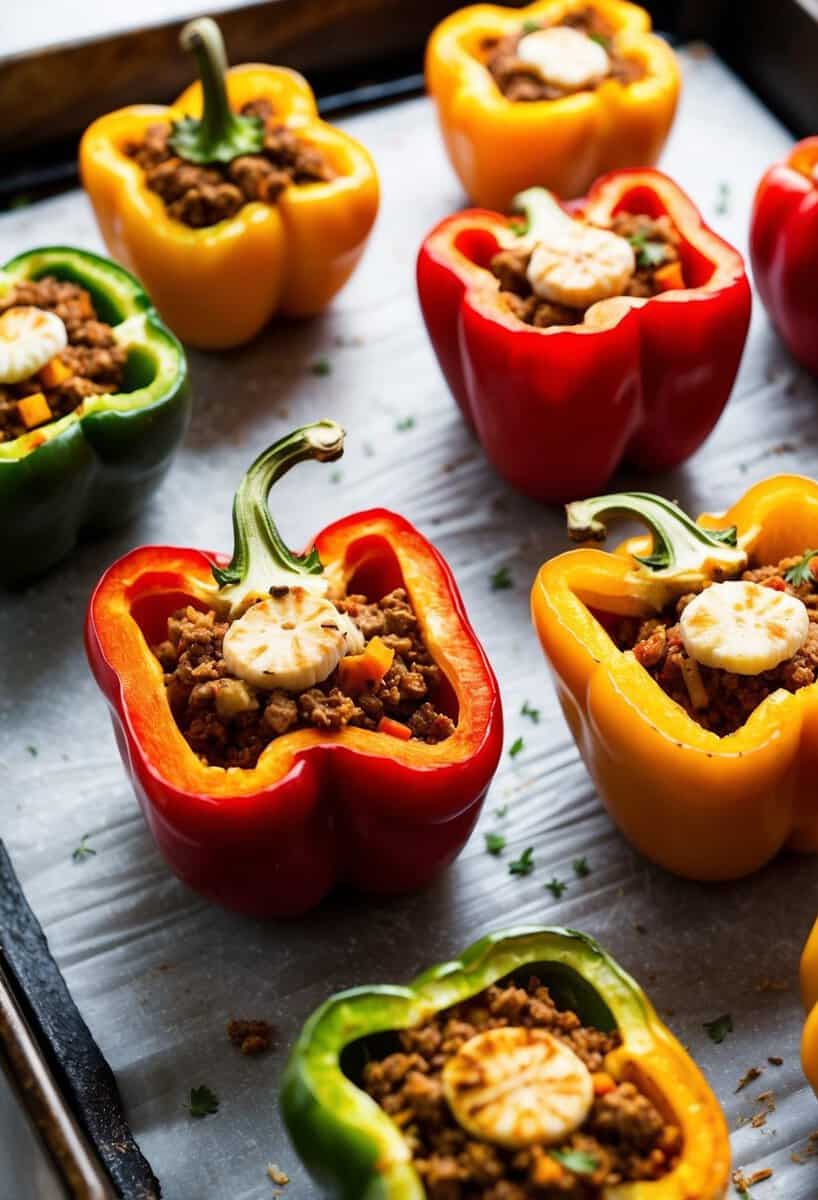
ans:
(34, 410)
(603, 1083)
(394, 729)
(357, 670)
(54, 373)
(669, 278)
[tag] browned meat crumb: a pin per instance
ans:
(742, 1181)
(749, 1077)
(251, 1037)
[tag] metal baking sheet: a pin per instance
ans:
(155, 970)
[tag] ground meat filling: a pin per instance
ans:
(199, 196)
(92, 356)
(520, 81)
(719, 700)
(625, 1134)
(655, 243)
(228, 723)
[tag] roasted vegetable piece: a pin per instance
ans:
(557, 409)
(500, 146)
(95, 467)
(677, 790)
(220, 285)
(809, 996)
(353, 1148)
(355, 804)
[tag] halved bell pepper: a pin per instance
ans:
(784, 249)
(94, 468)
(219, 286)
(319, 807)
(809, 996)
(355, 1151)
(499, 146)
(703, 806)
(558, 409)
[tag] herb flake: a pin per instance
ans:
(648, 253)
(495, 843)
(523, 865)
(501, 811)
(531, 25)
(202, 1102)
(501, 579)
(83, 850)
(578, 1162)
(532, 713)
(405, 424)
(556, 887)
(581, 868)
(718, 1029)
(33, 751)
(801, 572)
(516, 747)
(321, 366)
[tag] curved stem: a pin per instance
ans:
(203, 38)
(261, 559)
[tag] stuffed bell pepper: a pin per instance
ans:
(235, 204)
(809, 995)
(686, 665)
(531, 1066)
(290, 720)
(553, 94)
(93, 403)
(784, 249)
(574, 341)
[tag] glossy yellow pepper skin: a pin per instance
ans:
(219, 286)
(703, 806)
(809, 995)
(499, 147)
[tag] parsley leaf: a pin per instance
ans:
(202, 1102)
(581, 868)
(501, 579)
(648, 253)
(501, 811)
(802, 571)
(405, 424)
(516, 747)
(33, 751)
(718, 1029)
(495, 843)
(523, 865)
(321, 366)
(600, 39)
(83, 851)
(576, 1161)
(528, 711)
(531, 25)
(556, 887)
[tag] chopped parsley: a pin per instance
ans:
(581, 868)
(202, 1102)
(802, 571)
(516, 747)
(321, 366)
(531, 25)
(33, 751)
(600, 39)
(556, 887)
(83, 850)
(523, 865)
(718, 1029)
(495, 843)
(518, 226)
(528, 711)
(577, 1161)
(404, 424)
(723, 199)
(648, 253)
(501, 811)
(501, 579)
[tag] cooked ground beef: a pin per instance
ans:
(204, 195)
(657, 645)
(228, 723)
(519, 80)
(95, 360)
(250, 1036)
(624, 1133)
(655, 242)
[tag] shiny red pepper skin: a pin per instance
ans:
(557, 410)
(355, 806)
(784, 249)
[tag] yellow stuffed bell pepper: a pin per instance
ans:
(614, 86)
(702, 805)
(809, 995)
(218, 283)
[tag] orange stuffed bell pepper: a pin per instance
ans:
(235, 204)
(554, 94)
(686, 666)
(809, 995)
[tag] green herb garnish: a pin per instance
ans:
(556, 887)
(501, 579)
(801, 573)
(532, 713)
(576, 1161)
(581, 868)
(495, 843)
(501, 811)
(648, 253)
(600, 39)
(718, 1029)
(405, 424)
(83, 851)
(202, 1102)
(33, 751)
(523, 865)
(531, 25)
(321, 366)
(516, 747)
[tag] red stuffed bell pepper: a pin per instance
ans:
(292, 721)
(784, 249)
(574, 342)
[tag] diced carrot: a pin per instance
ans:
(603, 1083)
(357, 670)
(394, 729)
(54, 373)
(34, 410)
(669, 278)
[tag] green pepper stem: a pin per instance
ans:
(261, 559)
(543, 213)
(680, 546)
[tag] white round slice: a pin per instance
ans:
(743, 627)
(564, 57)
(580, 265)
(291, 640)
(29, 338)
(514, 1087)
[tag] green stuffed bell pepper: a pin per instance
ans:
(94, 401)
(532, 1065)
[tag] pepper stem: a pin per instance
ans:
(680, 546)
(261, 559)
(542, 213)
(220, 135)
